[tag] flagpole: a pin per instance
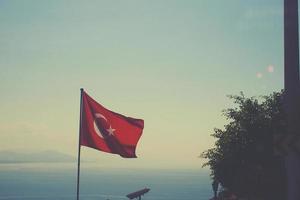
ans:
(79, 146)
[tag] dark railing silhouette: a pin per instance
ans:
(138, 194)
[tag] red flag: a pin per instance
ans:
(108, 131)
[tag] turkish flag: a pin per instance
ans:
(108, 131)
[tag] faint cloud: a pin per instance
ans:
(23, 127)
(259, 75)
(265, 12)
(24, 135)
(259, 18)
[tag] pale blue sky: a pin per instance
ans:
(171, 63)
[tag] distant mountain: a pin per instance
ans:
(37, 157)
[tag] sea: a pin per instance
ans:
(18, 183)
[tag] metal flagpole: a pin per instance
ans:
(79, 146)
(291, 93)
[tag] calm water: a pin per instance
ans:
(17, 184)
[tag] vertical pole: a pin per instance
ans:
(79, 146)
(291, 95)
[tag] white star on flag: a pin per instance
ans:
(110, 131)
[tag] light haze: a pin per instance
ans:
(171, 63)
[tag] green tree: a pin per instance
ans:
(242, 160)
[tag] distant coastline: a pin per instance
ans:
(11, 157)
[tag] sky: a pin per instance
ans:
(169, 62)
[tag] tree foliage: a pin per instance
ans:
(242, 159)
